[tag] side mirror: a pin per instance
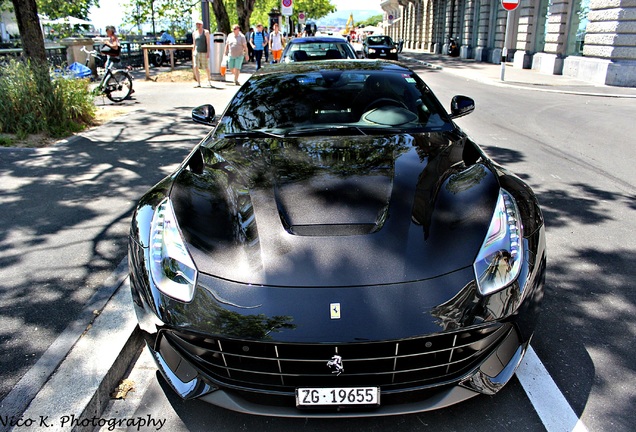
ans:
(461, 105)
(204, 114)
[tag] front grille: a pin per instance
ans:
(393, 365)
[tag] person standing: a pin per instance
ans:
(276, 43)
(201, 54)
(266, 47)
(258, 42)
(236, 47)
(248, 36)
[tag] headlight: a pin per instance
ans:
(371, 51)
(499, 260)
(393, 50)
(171, 266)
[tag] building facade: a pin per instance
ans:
(592, 40)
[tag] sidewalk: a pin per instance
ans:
(528, 79)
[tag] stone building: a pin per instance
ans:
(592, 40)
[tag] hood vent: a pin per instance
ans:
(332, 229)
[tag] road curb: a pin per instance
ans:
(77, 393)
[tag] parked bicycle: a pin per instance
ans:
(116, 84)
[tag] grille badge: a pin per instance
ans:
(335, 364)
(334, 310)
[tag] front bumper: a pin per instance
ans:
(200, 363)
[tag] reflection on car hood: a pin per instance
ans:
(334, 211)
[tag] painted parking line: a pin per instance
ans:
(546, 398)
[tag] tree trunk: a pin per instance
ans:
(244, 9)
(222, 20)
(26, 13)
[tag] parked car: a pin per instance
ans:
(337, 246)
(381, 47)
(317, 48)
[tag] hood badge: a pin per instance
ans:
(334, 310)
(335, 364)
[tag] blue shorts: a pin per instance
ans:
(235, 62)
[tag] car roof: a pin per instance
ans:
(341, 65)
(312, 39)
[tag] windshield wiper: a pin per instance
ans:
(324, 130)
(256, 133)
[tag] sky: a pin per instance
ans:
(111, 12)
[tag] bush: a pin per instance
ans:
(33, 102)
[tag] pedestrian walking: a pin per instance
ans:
(236, 49)
(201, 55)
(276, 43)
(258, 42)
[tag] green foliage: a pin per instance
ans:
(34, 103)
(371, 21)
(6, 141)
(60, 9)
(314, 9)
(174, 15)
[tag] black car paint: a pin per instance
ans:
(388, 50)
(425, 202)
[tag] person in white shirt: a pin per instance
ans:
(276, 43)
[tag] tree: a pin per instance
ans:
(26, 14)
(176, 13)
(313, 9)
(244, 11)
(257, 11)
(59, 9)
(371, 21)
(222, 18)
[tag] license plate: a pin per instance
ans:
(383, 54)
(337, 396)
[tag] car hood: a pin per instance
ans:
(334, 211)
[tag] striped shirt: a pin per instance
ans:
(257, 40)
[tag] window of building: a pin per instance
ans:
(542, 21)
(578, 26)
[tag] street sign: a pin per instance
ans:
(301, 17)
(510, 5)
(287, 7)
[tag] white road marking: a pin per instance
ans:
(546, 398)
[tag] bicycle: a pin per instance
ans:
(116, 84)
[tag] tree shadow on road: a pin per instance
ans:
(65, 212)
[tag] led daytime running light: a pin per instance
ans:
(499, 260)
(171, 266)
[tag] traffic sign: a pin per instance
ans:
(287, 8)
(301, 17)
(510, 5)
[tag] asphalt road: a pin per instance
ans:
(576, 152)
(65, 214)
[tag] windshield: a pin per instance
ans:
(379, 40)
(318, 50)
(331, 102)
